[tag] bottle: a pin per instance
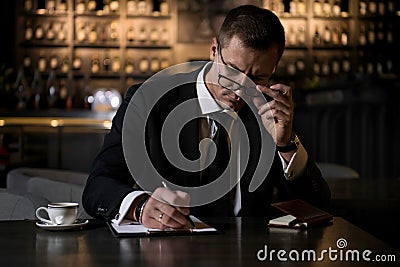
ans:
(53, 62)
(114, 31)
(28, 30)
(130, 34)
(142, 7)
(293, 8)
(103, 33)
(291, 68)
(291, 36)
(336, 9)
(93, 33)
(50, 34)
(87, 94)
(39, 32)
(129, 66)
(164, 63)
(316, 66)
(317, 7)
(336, 35)
(65, 64)
(325, 68)
(77, 62)
(28, 5)
(81, 32)
(154, 64)
(144, 65)
(301, 8)
(371, 33)
(154, 37)
(80, 7)
(300, 65)
(106, 61)
(52, 89)
(61, 33)
(106, 7)
(363, 8)
(381, 8)
(115, 64)
(21, 89)
(51, 6)
(131, 7)
(326, 8)
(346, 64)
(317, 37)
(301, 35)
(63, 93)
(38, 98)
(165, 36)
(344, 37)
(91, 6)
(327, 35)
(380, 33)
(362, 38)
(95, 64)
(164, 7)
(63, 6)
(372, 7)
(26, 62)
(41, 66)
(335, 65)
(114, 6)
(142, 35)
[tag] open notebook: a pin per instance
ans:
(134, 229)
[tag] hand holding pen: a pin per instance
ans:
(187, 216)
(167, 209)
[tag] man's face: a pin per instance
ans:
(258, 65)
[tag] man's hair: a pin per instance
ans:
(256, 27)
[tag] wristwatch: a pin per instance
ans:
(293, 144)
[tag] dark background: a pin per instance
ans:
(362, 132)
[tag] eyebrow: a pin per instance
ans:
(250, 76)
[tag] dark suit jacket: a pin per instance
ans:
(110, 179)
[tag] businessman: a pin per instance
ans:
(235, 82)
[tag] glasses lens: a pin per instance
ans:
(228, 83)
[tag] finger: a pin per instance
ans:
(160, 215)
(283, 89)
(274, 107)
(280, 93)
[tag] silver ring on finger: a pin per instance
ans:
(160, 217)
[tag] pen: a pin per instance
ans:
(187, 216)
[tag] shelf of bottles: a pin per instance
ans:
(80, 45)
(327, 38)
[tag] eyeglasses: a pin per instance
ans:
(229, 83)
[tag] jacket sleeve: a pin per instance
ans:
(310, 187)
(109, 179)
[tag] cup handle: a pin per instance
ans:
(40, 217)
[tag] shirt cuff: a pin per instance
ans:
(125, 205)
(297, 164)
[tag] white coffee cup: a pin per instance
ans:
(60, 213)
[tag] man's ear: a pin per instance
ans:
(213, 48)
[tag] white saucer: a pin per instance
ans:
(54, 227)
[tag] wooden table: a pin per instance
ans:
(242, 242)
